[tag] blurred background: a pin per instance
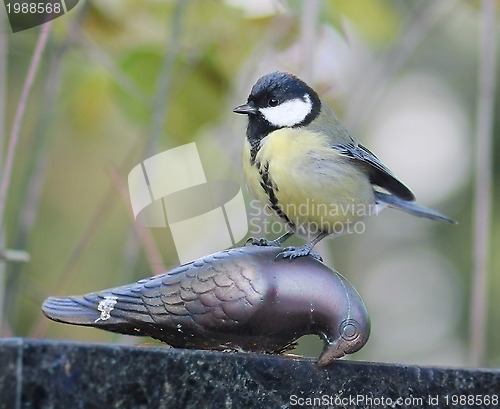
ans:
(120, 80)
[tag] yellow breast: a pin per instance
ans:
(314, 186)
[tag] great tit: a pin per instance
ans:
(301, 162)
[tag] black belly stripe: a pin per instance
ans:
(270, 188)
(253, 154)
(254, 150)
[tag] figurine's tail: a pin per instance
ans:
(114, 309)
(411, 207)
(72, 310)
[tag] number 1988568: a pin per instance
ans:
(33, 8)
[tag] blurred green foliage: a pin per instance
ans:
(95, 129)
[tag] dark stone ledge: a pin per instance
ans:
(54, 374)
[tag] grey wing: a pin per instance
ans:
(379, 174)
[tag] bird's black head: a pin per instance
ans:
(278, 100)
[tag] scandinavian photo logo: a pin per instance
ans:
(170, 190)
(337, 219)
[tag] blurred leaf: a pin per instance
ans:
(376, 20)
(197, 99)
(142, 66)
(90, 102)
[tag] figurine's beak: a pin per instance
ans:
(331, 352)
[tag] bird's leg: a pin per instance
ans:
(305, 250)
(273, 243)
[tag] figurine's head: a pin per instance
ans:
(353, 334)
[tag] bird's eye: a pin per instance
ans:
(273, 102)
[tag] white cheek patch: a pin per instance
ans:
(105, 307)
(288, 113)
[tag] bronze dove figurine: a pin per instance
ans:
(237, 299)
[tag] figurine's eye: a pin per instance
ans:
(273, 102)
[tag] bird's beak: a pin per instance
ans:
(248, 109)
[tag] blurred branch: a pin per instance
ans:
(144, 234)
(483, 181)
(368, 92)
(18, 118)
(69, 269)
(161, 100)
(160, 106)
(14, 255)
(3, 77)
(122, 79)
(97, 220)
(3, 89)
(308, 27)
(15, 133)
(5, 330)
(37, 160)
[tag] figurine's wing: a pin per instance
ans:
(218, 290)
(214, 291)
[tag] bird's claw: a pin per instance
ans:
(295, 252)
(262, 242)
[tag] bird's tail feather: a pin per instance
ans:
(412, 207)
